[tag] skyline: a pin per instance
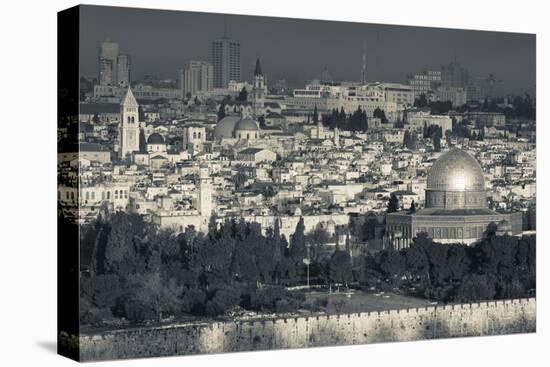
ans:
(298, 59)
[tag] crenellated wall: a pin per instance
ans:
(485, 318)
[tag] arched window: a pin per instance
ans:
(93, 195)
(87, 195)
(199, 135)
(194, 135)
(125, 194)
(108, 195)
(116, 194)
(129, 119)
(248, 136)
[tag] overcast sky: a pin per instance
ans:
(161, 42)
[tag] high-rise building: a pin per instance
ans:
(226, 60)
(124, 65)
(454, 75)
(198, 77)
(108, 57)
(425, 82)
(114, 68)
(129, 125)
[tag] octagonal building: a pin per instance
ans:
(455, 207)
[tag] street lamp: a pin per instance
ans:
(307, 261)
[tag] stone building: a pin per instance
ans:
(456, 207)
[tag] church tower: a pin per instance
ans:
(129, 125)
(204, 202)
(259, 90)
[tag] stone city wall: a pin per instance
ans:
(485, 318)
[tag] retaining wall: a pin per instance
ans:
(485, 318)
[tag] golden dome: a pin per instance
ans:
(456, 170)
(456, 181)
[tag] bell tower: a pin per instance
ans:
(259, 90)
(129, 125)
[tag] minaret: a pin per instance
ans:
(204, 202)
(129, 125)
(259, 90)
(336, 137)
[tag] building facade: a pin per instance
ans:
(455, 206)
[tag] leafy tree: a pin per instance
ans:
(379, 113)
(437, 141)
(315, 115)
(407, 139)
(222, 301)
(193, 301)
(394, 265)
(96, 119)
(393, 204)
(475, 287)
(421, 101)
(266, 299)
(298, 241)
(243, 95)
(221, 111)
(142, 142)
(340, 268)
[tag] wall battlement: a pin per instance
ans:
(446, 321)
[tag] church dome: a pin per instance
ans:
(247, 124)
(456, 170)
(456, 181)
(225, 127)
(155, 138)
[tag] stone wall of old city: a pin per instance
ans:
(485, 318)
